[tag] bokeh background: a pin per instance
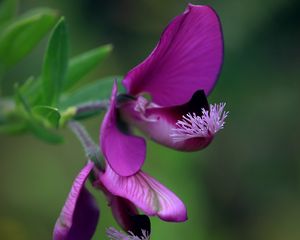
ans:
(245, 185)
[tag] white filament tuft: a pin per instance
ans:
(208, 124)
(114, 234)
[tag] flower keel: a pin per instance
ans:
(146, 193)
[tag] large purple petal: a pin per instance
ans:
(79, 216)
(188, 57)
(147, 194)
(124, 153)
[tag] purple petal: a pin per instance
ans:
(147, 194)
(161, 123)
(188, 57)
(128, 217)
(79, 216)
(124, 153)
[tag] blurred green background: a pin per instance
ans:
(245, 185)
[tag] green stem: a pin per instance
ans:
(91, 149)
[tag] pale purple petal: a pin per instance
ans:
(79, 216)
(124, 153)
(147, 194)
(188, 57)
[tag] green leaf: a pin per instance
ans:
(27, 89)
(21, 100)
(98, 90)
(81, 65)
(50, 115)
(18, 38)
(34, 119)
(55, 64)
(31, 89)
(44, 134)
(78, 67)
(8, 10)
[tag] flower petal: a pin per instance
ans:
(147, 194)
(159, 123)
(79, 216)
(127, 216)
(124, 153)
(188, 57)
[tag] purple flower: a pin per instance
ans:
(79, 216)
(178, 75)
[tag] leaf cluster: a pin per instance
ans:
(42, 104)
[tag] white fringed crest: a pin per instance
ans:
(208, 124)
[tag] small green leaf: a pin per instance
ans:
(44, 134)
(55, 64)
(50, 115)
(98, 90)
(31, 89)
(8, 9)
(21, 100)
(18, 38)
(81, 65)
(34, 119)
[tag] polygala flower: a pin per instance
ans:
(79, 216)
(166, 98)
(177, 76)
